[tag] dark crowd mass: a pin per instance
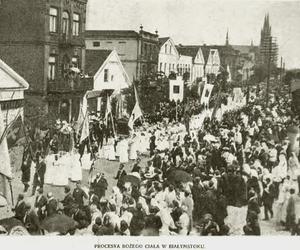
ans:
(225, 178)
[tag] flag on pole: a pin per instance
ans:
(82, 112)
(206, 93)
(108, 109)
(136, 112)
(85, 128)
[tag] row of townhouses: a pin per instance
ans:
(46, 43)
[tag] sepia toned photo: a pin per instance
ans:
(149, 118)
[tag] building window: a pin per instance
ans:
(166, 48)
(76, 24)
(170, 50)
(53, 19)
(106, 75)
(112, 78)
(160, 66)
(170, 69)
(51, 68)
(96, 44)
(65, 23)
(165, 68)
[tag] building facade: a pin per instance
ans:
(197, 67)
(168, 56)
(138, 51)
(212, 60)
(44, 41)
(12, 87)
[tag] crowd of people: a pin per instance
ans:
(184, 182)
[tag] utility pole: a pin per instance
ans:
(281, 69)
(248, 87)
(269, 68)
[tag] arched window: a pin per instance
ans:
(66, 22)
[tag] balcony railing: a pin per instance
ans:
(71, 85)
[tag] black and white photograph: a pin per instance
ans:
(149, 118)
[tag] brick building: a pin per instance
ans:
(44, 42)
(138, 51)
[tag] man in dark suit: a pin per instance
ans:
(268, 198)
(39, 175)
(68, 201)
(51, 206)
(79, 195)
(20, 208)
(80, 217)
(121, 173)
(31, 220)
(40, 204)
(94, 199)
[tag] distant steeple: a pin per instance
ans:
(252, 43)
(227, 39)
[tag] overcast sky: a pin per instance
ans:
(198, 21)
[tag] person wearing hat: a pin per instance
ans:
(31, 220)
(40, 204)
(68, 201)
(272, 155)
(51, 206)
(20, 208)
(79, 195)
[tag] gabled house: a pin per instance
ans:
(212, 60)
(105, 69)
(168, 56)
(195, 52)
(12, 87)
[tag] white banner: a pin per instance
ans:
(176, 89)
(206, 93)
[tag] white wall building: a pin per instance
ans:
(212, 60)
(195, 52)
(168, 56)
(107, 72)
(12, 87)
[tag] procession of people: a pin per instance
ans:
(221, 178)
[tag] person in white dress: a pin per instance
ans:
(75, 167)
(133, 147)
(111, 149)
(123, 151)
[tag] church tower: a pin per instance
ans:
(227, 39)
(268, 47)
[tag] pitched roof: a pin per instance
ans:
(244, 49)
(188, 50)
(162, 40)
(205, 52)
(11, 79)
(111, 33)
(94, 60)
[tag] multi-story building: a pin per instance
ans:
(138, 51)
(168, 56)
(195, 52)
(212, 60)
(44, 42)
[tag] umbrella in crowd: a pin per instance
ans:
(133, 179)
(59, 223)
(12, 225)
(179, 176)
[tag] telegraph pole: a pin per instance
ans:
(269, 69)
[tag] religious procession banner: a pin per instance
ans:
(176, 89)
(206, 93)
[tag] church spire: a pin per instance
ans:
(227, 39)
